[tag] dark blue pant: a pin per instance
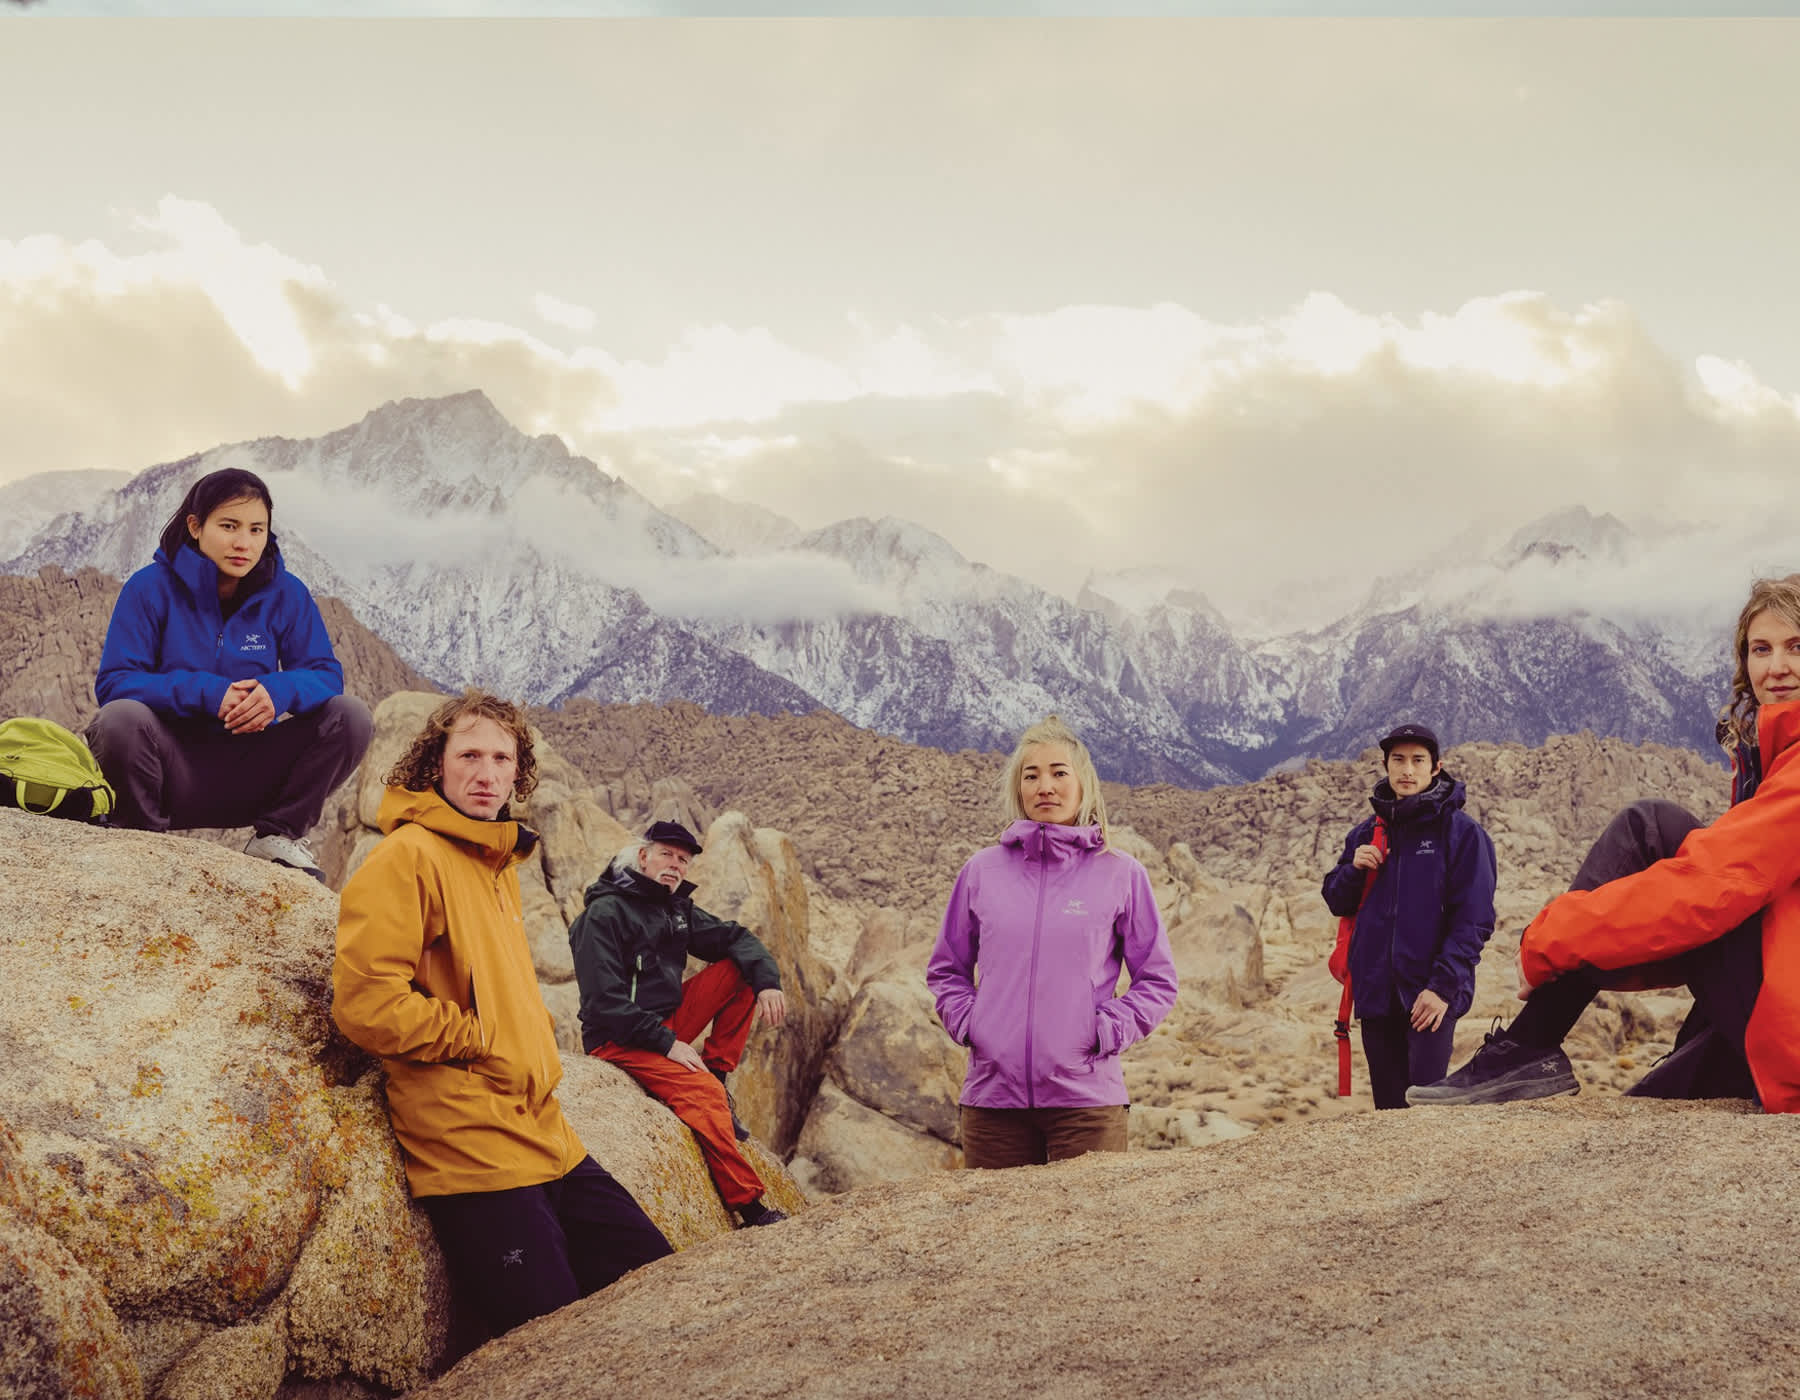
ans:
(1399, 1056)
(1724, 975)
(517, 1254)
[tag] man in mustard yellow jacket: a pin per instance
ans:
(434, 975)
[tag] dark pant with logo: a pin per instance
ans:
(174, 774)
(517, 1254)
(1400, 1056)
(1725, 975)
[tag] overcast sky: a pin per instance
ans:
(1258, 300)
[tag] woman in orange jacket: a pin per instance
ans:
(433, 974)
(1662, 901)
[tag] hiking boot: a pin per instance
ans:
(1502, 1071)
(285, 850)
(756, 1213)
(737, 1124)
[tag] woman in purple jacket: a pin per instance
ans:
(1049, 916)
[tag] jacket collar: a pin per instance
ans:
(1777, 730)
(628, 879)
(1445, 791)
(1046, 842)
(200, 576)
(496, 844)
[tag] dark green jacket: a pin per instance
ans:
(631, 945)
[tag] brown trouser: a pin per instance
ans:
(1025, 1137)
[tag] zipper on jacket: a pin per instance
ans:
(634, 978)
(1394, 930)
(1037, 931)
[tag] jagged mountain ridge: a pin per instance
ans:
(408, 516)
(485, 556)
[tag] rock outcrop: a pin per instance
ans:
(199, 1191)
(1400, 1254)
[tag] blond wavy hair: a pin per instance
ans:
(1737, 721)
(1052, 730)
(421, 767)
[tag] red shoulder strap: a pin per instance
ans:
(1346, 927)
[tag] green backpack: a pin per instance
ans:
(47, 770)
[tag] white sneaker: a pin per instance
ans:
(285, 850)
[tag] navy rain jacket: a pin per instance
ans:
(1431, 908)
(170, 645)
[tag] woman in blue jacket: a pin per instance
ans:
(209, 647)
(1423, 899)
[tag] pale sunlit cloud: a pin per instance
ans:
(1325, 440)
(564, 313)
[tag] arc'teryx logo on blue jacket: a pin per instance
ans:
(1431, 907)
(170, 645)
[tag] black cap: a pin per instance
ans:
(675, 834)
(1411, 734)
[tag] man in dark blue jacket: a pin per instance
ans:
(1422, 893)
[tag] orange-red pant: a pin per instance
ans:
(719, 995)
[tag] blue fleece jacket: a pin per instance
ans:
(170, 645)
(1431, 908)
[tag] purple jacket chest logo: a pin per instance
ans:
(1075, 906)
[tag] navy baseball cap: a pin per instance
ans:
(675, 834)
(1411, 734)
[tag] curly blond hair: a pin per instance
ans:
(1737, 721)
(422, 765)
(1052, 730)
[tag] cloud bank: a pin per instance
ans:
(1326, 442)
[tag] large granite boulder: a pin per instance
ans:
(191, 1127)
(1570, 1248)
(754, 877)
(200, 1194)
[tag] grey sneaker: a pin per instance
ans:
(1502, 1071)
(285, 850)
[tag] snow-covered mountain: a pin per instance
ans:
(27, 506)
(735, 527)
(488, 557)
(480, 555)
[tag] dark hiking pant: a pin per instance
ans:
(175, 774)
(1024, 1137)
(1724, 975)
(517, 1254)
(1399, 1057)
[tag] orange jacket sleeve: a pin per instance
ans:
(1722, 874)
(385, 916)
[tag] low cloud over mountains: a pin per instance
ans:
(486, 556)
